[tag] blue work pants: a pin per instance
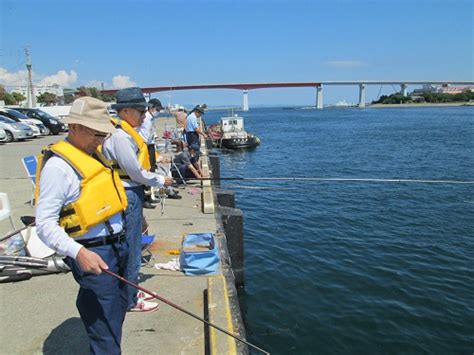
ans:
(102, 299)
(192, 138)
(133, 218)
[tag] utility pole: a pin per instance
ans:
(31, 92)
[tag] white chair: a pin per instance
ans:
(5, 210)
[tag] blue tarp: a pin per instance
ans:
(199, 254)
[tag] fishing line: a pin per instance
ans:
(316, 179)
(182, 310)
(322, 179)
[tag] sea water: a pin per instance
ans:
(357, 267)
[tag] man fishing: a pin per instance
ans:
(130, 154)
(80, 215)
(192, 128)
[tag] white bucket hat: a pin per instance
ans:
(92, 113)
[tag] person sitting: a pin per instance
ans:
(186, 165)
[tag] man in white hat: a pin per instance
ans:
(79, 214)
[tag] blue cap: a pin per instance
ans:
(130, 97)
(194, 147)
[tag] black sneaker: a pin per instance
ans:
(175, 197)
(149, 205)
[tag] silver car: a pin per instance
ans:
(36, 125)
(15, 130)
(3, 136)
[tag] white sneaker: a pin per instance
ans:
(145, 296)
(145, 306)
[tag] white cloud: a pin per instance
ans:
(62, 78)
(346, 63)
(13, 79)
(122, 81)
(20, 78)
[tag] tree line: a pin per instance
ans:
(429, 97)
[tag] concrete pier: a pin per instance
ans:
(404, 90)
(319, 97)
(245, 103)
(362, 95)
(40, 316)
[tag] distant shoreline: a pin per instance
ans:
(425, 104)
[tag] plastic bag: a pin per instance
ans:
(13, 246)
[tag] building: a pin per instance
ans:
(41, 89)
(453, 90)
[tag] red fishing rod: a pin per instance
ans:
(169, 303)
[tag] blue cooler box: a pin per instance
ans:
(199, 254)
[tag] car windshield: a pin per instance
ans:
(17, 114)
(6, 119)
(44, 114)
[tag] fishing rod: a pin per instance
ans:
(182, 310)
(15, 232)
(322, 179)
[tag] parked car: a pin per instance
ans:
(15, 130)
(21, 117)
(49, 121)
(3, 136)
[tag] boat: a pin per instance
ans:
(230, 134)
(344, 103)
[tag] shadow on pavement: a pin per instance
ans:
(67, 338)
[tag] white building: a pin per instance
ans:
(41, 89)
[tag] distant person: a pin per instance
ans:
(79, 215)
(147, 131)
(192, 129)
(130, 154)
(186, 164)
(180, 117)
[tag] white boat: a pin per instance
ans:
(230, 134)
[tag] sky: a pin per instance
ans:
(175, 42)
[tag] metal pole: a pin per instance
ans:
(31, 93)
(169, 303)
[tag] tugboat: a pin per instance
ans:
(230, 134)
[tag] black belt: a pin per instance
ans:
(99, 241)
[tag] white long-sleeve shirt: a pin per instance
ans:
(60, 186)
(147, 129)
(122, 148)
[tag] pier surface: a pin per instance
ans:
(39, 315)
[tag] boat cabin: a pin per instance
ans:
(232, 124)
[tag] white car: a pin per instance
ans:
(36, 125)
(15, 131)
(3, 135)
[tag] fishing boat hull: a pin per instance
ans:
(248, 142)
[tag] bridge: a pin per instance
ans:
(246, 87)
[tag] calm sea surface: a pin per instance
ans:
(366, 268)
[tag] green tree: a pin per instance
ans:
(82, 91)
(18, 97)
(47, 98)
(6, 96)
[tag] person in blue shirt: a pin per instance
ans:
(192, 128)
